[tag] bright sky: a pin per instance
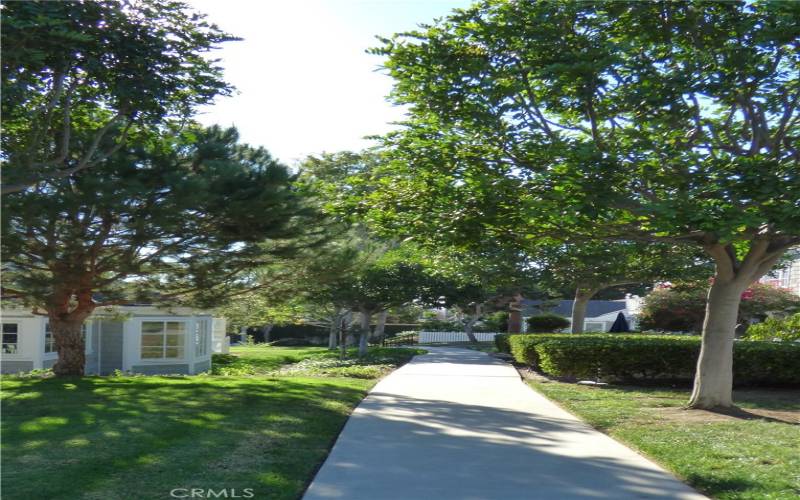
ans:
(305, 84)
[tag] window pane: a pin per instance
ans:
(176, 327)
(152, 352)
(175, 340)
(152, 327)
(174, 352)
(10, 327)
(151, 340)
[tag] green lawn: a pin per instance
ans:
(142, 436)
(751, 454)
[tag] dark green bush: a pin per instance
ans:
(291, 342)
(547, 323)
(280, 332)
(650, 357)
(501, 343)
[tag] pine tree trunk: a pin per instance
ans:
(579, 306)
(70, 345)
(713, 382)
(366, 319)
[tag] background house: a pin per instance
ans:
(600, 314)
(787, 277)
(139, 339)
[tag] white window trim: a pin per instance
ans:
(603, 328)
(209, 338)
(188, 343)
(18, 353)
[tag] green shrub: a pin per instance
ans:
(787, 329)
(650, 357)
(501, 342)
(402, 338)
(494, 322)
(547, 323)
(683, 306)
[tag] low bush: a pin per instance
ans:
(650, 357)
(547, 323)
(787, 329)
(291, 342)
(402, 338)
(501, 342)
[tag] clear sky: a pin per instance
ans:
(305, 84)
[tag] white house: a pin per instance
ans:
(139, 339)
(600, 314)
(787, 277)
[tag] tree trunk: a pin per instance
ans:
(343, 336)
(67, 334)
(266, 329)
(366, 319)
(334, 331)
(470, 324)
(380, 326)
(583, 295)
(713, 382)
(515, 315)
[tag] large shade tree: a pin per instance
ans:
(650, 121)
(589, 267)
(479, 281)
(389, 282)
(167, 219)
(79, 76)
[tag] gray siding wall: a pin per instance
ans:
(48, 363)
(92, 359)
(15, 366)
(202, 366)
(181, 369)
(110, 346)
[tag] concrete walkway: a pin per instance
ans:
(459, 424)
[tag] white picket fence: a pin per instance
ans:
(453, 337)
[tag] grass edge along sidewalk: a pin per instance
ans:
(750, 454)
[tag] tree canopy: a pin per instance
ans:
(78, 77)
(167, 219)
(667, 121)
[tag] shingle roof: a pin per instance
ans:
(564, 307)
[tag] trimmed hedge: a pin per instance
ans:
(547, 323)
(648, 357)
(501, 342)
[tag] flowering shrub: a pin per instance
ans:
(683, 306)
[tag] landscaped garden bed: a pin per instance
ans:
(143, 436)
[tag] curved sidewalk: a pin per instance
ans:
(459, 424)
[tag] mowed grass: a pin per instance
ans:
(137, 437)
(753, 453)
